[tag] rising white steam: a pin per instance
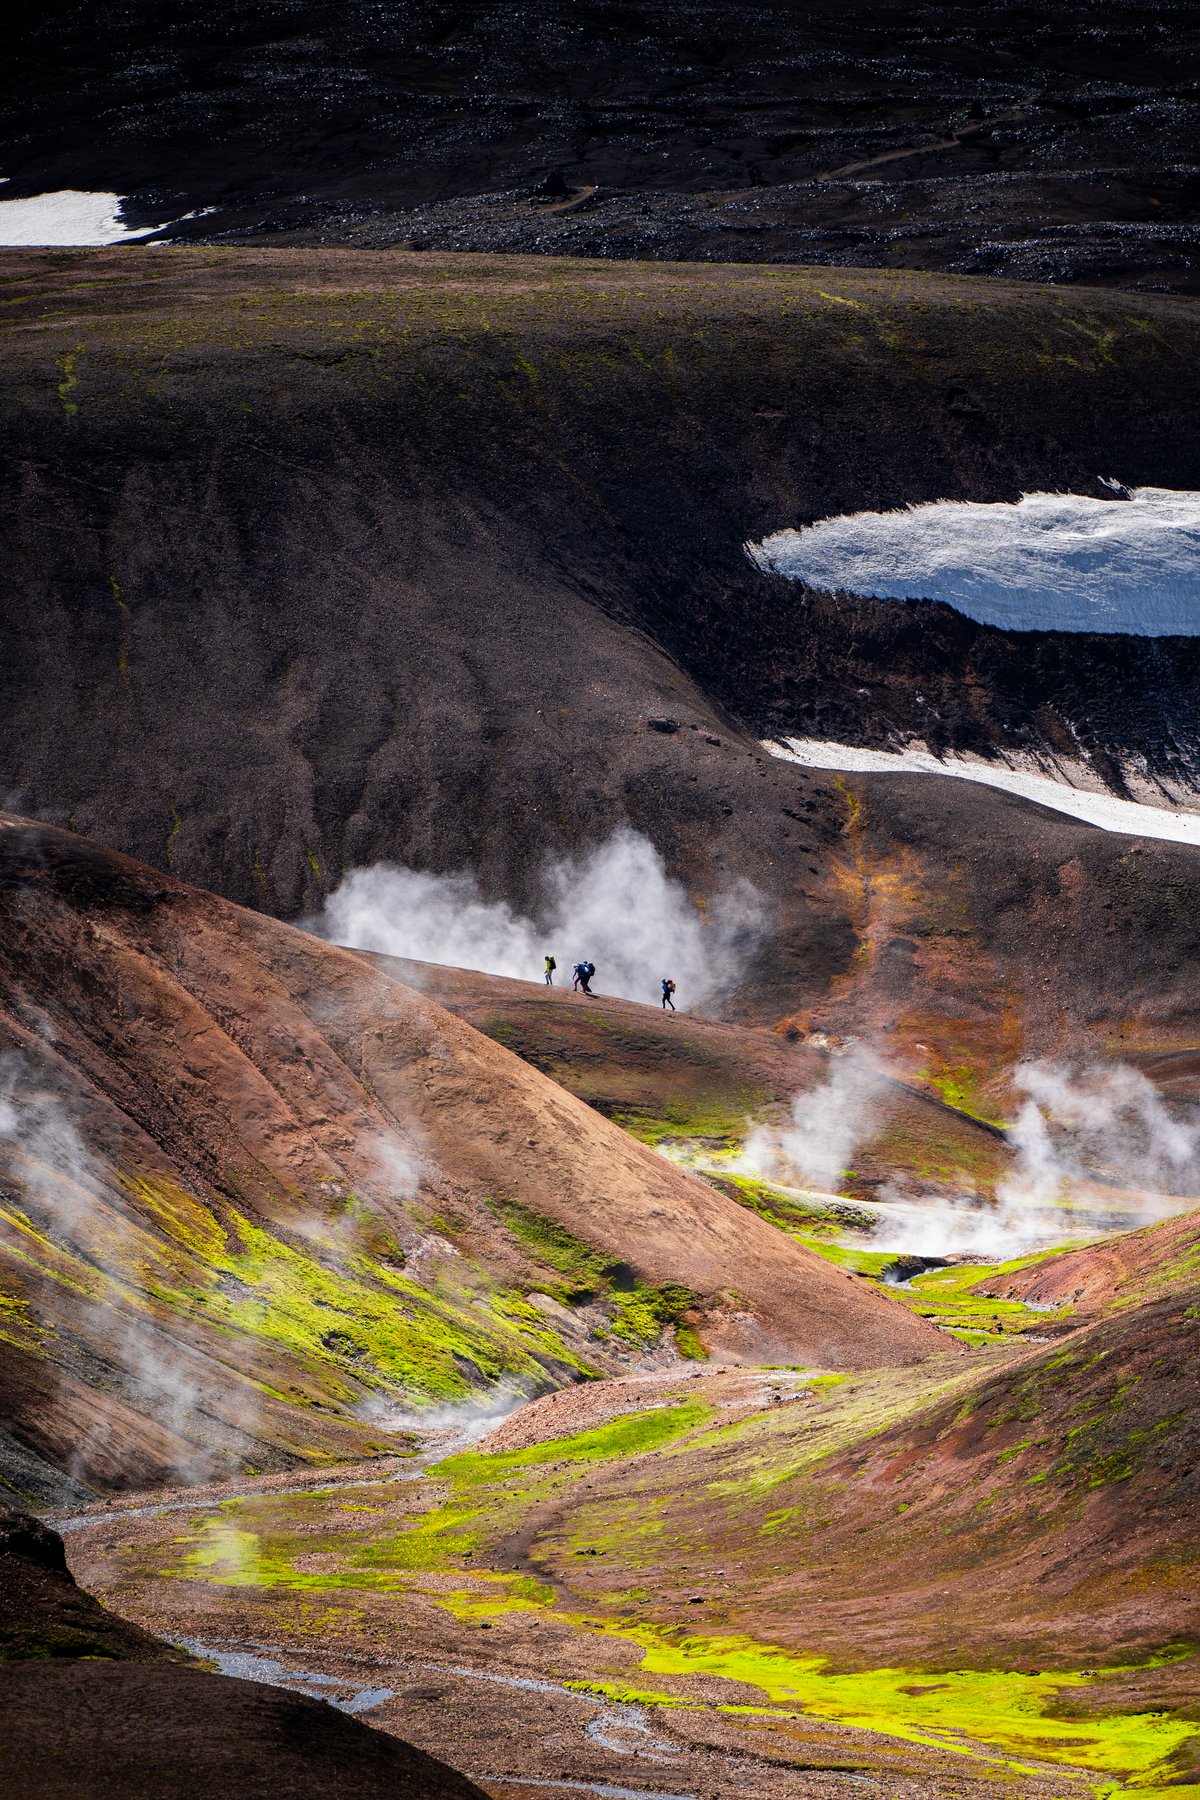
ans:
(827, 1125)
(447, 1428)
(616, 907)
(1108, 1124)
(1096, 1151)
(1047, 562)
(45, 1162)
(40, 1144)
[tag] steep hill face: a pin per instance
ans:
(1047, 144)
(261, 1203)
(321, 560)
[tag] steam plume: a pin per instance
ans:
(1096, 1150)
(615, 906)
(828, 1122)
(45, 1162)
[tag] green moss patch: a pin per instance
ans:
(262, 1542)
(1021, 1715)
(638, 1312)
(948, 1296)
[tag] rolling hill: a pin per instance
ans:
(263, 1203)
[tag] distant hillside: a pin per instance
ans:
(319, 559)
(1049, 144)
(260, 1204)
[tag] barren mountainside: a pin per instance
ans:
(317, 562)
(599, 1128)
(1044, 143)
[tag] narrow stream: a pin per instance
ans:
(612, 1728)
(604, 1788)
(248, 1665)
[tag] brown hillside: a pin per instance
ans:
(325, 557)
(257, 1195)
(679, 1078)
(1119, 1272)
(1037, 1515)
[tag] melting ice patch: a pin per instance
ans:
(1102, 809)
(1047, 562)
(68, 217)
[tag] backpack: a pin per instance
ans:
(551, 964)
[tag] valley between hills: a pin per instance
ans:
(418, 1379)
(773, 1527)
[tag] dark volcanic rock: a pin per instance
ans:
(321, 559)
(96, 1709)
(44, 1615)
(1055, 143)
(90, 1731)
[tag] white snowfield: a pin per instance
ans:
(1093, 807)
(68, 217)
(1046, 562)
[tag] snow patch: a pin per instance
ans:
(1103, 809)
(69, 217)
(1046, 562)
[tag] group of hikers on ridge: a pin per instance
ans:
(584, 971)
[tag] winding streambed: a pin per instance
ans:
(620, 1728)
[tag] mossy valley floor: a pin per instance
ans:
(770, 1512)
(613, 1600)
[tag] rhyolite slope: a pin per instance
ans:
(261, 1203)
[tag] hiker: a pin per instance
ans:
(580, 973)
(587, 970)
(668, 989)
(551, 965)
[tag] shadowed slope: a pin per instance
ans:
(1047, 143)
(94, 1705)
(235, 1161)
(174, 1733)
(44, 1615)
(321, 559)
